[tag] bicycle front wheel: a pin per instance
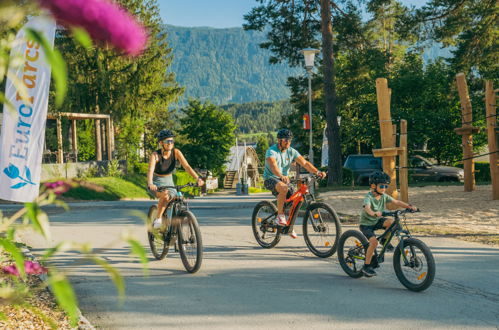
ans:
(157, 242)
(262, 222)
(190, 243)
(352, 252)
(321, 229)
(414, 264)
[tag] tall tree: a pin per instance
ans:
(135, 92)
(470, 26)
(208, 133)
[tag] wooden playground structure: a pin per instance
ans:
(103, 131)
(389, 151)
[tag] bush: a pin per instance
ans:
(347, 177)
(181, 178)
(141, 168)
(113, 169)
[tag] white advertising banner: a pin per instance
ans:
(23, 130)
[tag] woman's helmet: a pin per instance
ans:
(284, 133)
(164, 134)
(378, 177)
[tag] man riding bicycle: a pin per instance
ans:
(278, 159)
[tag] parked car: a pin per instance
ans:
(420, 169)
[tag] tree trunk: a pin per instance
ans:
(333, 130)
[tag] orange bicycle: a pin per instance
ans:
(321, 225)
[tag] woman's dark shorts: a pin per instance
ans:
(270, 184)
(368, 231)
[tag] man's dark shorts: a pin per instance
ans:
(368, 231)
(270, 184)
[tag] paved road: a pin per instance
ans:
(241, 285)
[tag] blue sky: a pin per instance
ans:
(214, 13)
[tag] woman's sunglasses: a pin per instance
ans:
(383, 186)
(168, 141)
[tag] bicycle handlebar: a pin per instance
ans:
(190, 184)
(398, 212)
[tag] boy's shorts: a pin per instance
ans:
(368, 231)
(270, 184)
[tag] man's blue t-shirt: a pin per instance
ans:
(283, 159)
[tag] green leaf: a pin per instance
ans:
(15, 253)
(54, 58)
(139, 251)
(39, 219)
(115, 276)
(65, 296)
(82, 37)
(3, 317)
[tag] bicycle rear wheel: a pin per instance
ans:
(190, 243)
(416, 268)
(321, 229)
(262, 222)
(352, 248)
(157, 242)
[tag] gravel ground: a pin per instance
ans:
(445, 211)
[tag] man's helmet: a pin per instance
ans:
(164, 134)
(378, 177)
(284, 133)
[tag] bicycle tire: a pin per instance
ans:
(353, 260)
(159, 247)
(415, 264)
(259, 224)
(188, 220)
(323, 234)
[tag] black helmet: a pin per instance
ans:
(164, 134)
(378, 177)
(284, 133)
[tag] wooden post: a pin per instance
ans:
(108, 136)
(404, 171)
(98, 141)
(466, 131)
(74, 141)
(385, 120)
(60, 156)
(490, 106)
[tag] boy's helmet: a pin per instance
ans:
(284, 133)
(164, 134)
(378, 177)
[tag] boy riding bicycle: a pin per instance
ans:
(371, 216)
(278, 159)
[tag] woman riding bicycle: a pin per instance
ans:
(160, 173)
(278, 159)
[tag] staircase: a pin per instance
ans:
(229, 179)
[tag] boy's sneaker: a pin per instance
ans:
(157, 223)
(281, 220)
(368, 271)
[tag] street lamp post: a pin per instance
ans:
(309, 55)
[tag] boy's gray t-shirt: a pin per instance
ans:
(376, 205)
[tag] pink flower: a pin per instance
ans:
(103, 20)
(30, 267)
(58, 187)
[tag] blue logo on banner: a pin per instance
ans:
(13, 172)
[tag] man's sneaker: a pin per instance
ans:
(281, 220)
(368, 271)
(293, 234)
(157, 223)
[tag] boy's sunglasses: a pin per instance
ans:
(383, 186)
(284, 139)
(168, 141)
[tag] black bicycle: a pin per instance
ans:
(180, 229)
(412, 259)
(321, 225)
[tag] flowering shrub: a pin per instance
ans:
(103, 20)
(30, 267)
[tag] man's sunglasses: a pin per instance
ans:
(284, 139)
(383, 186)
(168, 141)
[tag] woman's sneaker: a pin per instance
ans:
(281, 220)
(368, 271)
(157, 223)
